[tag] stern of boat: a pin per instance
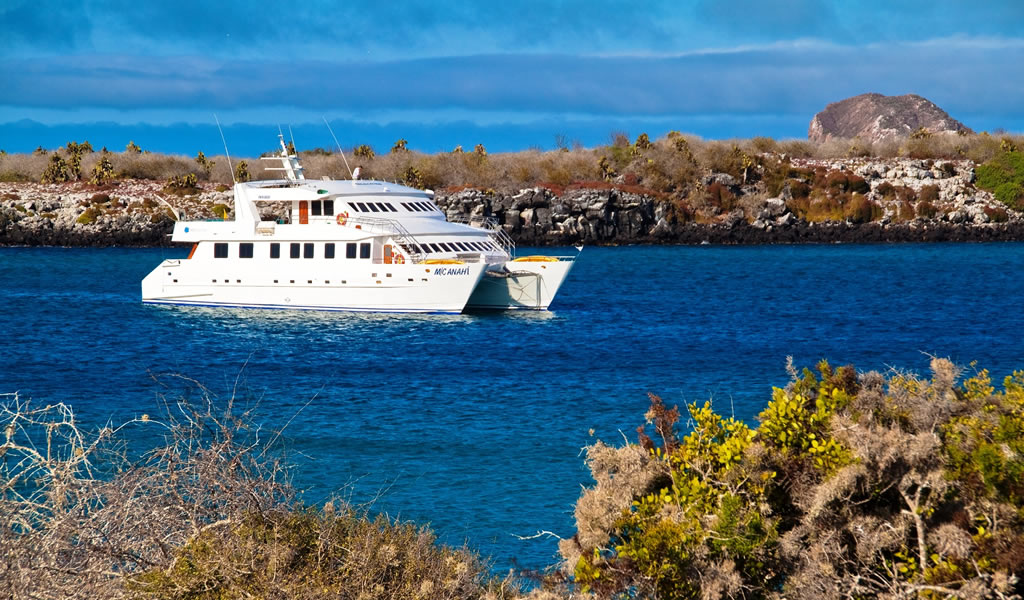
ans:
(527, 283)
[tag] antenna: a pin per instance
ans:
(342, 152)
(231, 169)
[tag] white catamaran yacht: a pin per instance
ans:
(349, 245)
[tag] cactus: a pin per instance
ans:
(132, 148)
(606, 168)
(921, 133)
(480, 151)
(83, 148)
(102, 172)
(1007, 145)
(183, 182)
(57, 171)
(400, 146)
(412, 177)
(242, 171)
(204, 163)
(364, 151)
(643, 142)
(458, 149)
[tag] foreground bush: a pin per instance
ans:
(205, 514)
(851, 486)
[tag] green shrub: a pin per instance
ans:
(220, 210)
(1004, 176)
(850, 486)
(90, 215)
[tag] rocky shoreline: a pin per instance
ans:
(141, 213)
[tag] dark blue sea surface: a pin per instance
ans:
(474, 423)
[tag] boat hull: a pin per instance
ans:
(520, 286)
(405, 288)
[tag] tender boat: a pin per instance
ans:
(350, 245)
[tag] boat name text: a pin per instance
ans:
(451, 271)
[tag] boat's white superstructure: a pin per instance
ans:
(349, 245)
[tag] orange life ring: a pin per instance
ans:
(342, 218)
(399, 259)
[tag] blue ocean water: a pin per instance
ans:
(474, 423)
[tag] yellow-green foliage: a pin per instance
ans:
(850, 486)
(182, 184)
(318, 554)
(57, 171)
(242, 171)
(102, 171)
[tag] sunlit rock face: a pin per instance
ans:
(874, 117)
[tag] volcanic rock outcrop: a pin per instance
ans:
(874, 117)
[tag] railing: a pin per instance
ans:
(379, 226)
(491, 225)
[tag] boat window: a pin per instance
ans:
(352, 207)
(446, 247)
(405, 205)
(373, 206)
(437, 247)
(474, 245)
(350, 250)
(275, 250)
(307, 250)
(391, 207)
(329, 208)
(464, 246)
(420, 249)
(328, 250)
(364, 250)
(315, 208)
(362, 207)
(295, 250)
(381, 206)
(220, 250)
(245, 250)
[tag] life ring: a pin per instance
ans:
(399, 259)
(342, 218)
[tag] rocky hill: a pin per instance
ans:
(874, 117)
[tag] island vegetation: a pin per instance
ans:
(672, 168)
(676, 189)
(848, 485)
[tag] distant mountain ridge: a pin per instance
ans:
(875, 117)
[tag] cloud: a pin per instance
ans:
(777, 79)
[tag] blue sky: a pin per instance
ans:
(510, 75)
